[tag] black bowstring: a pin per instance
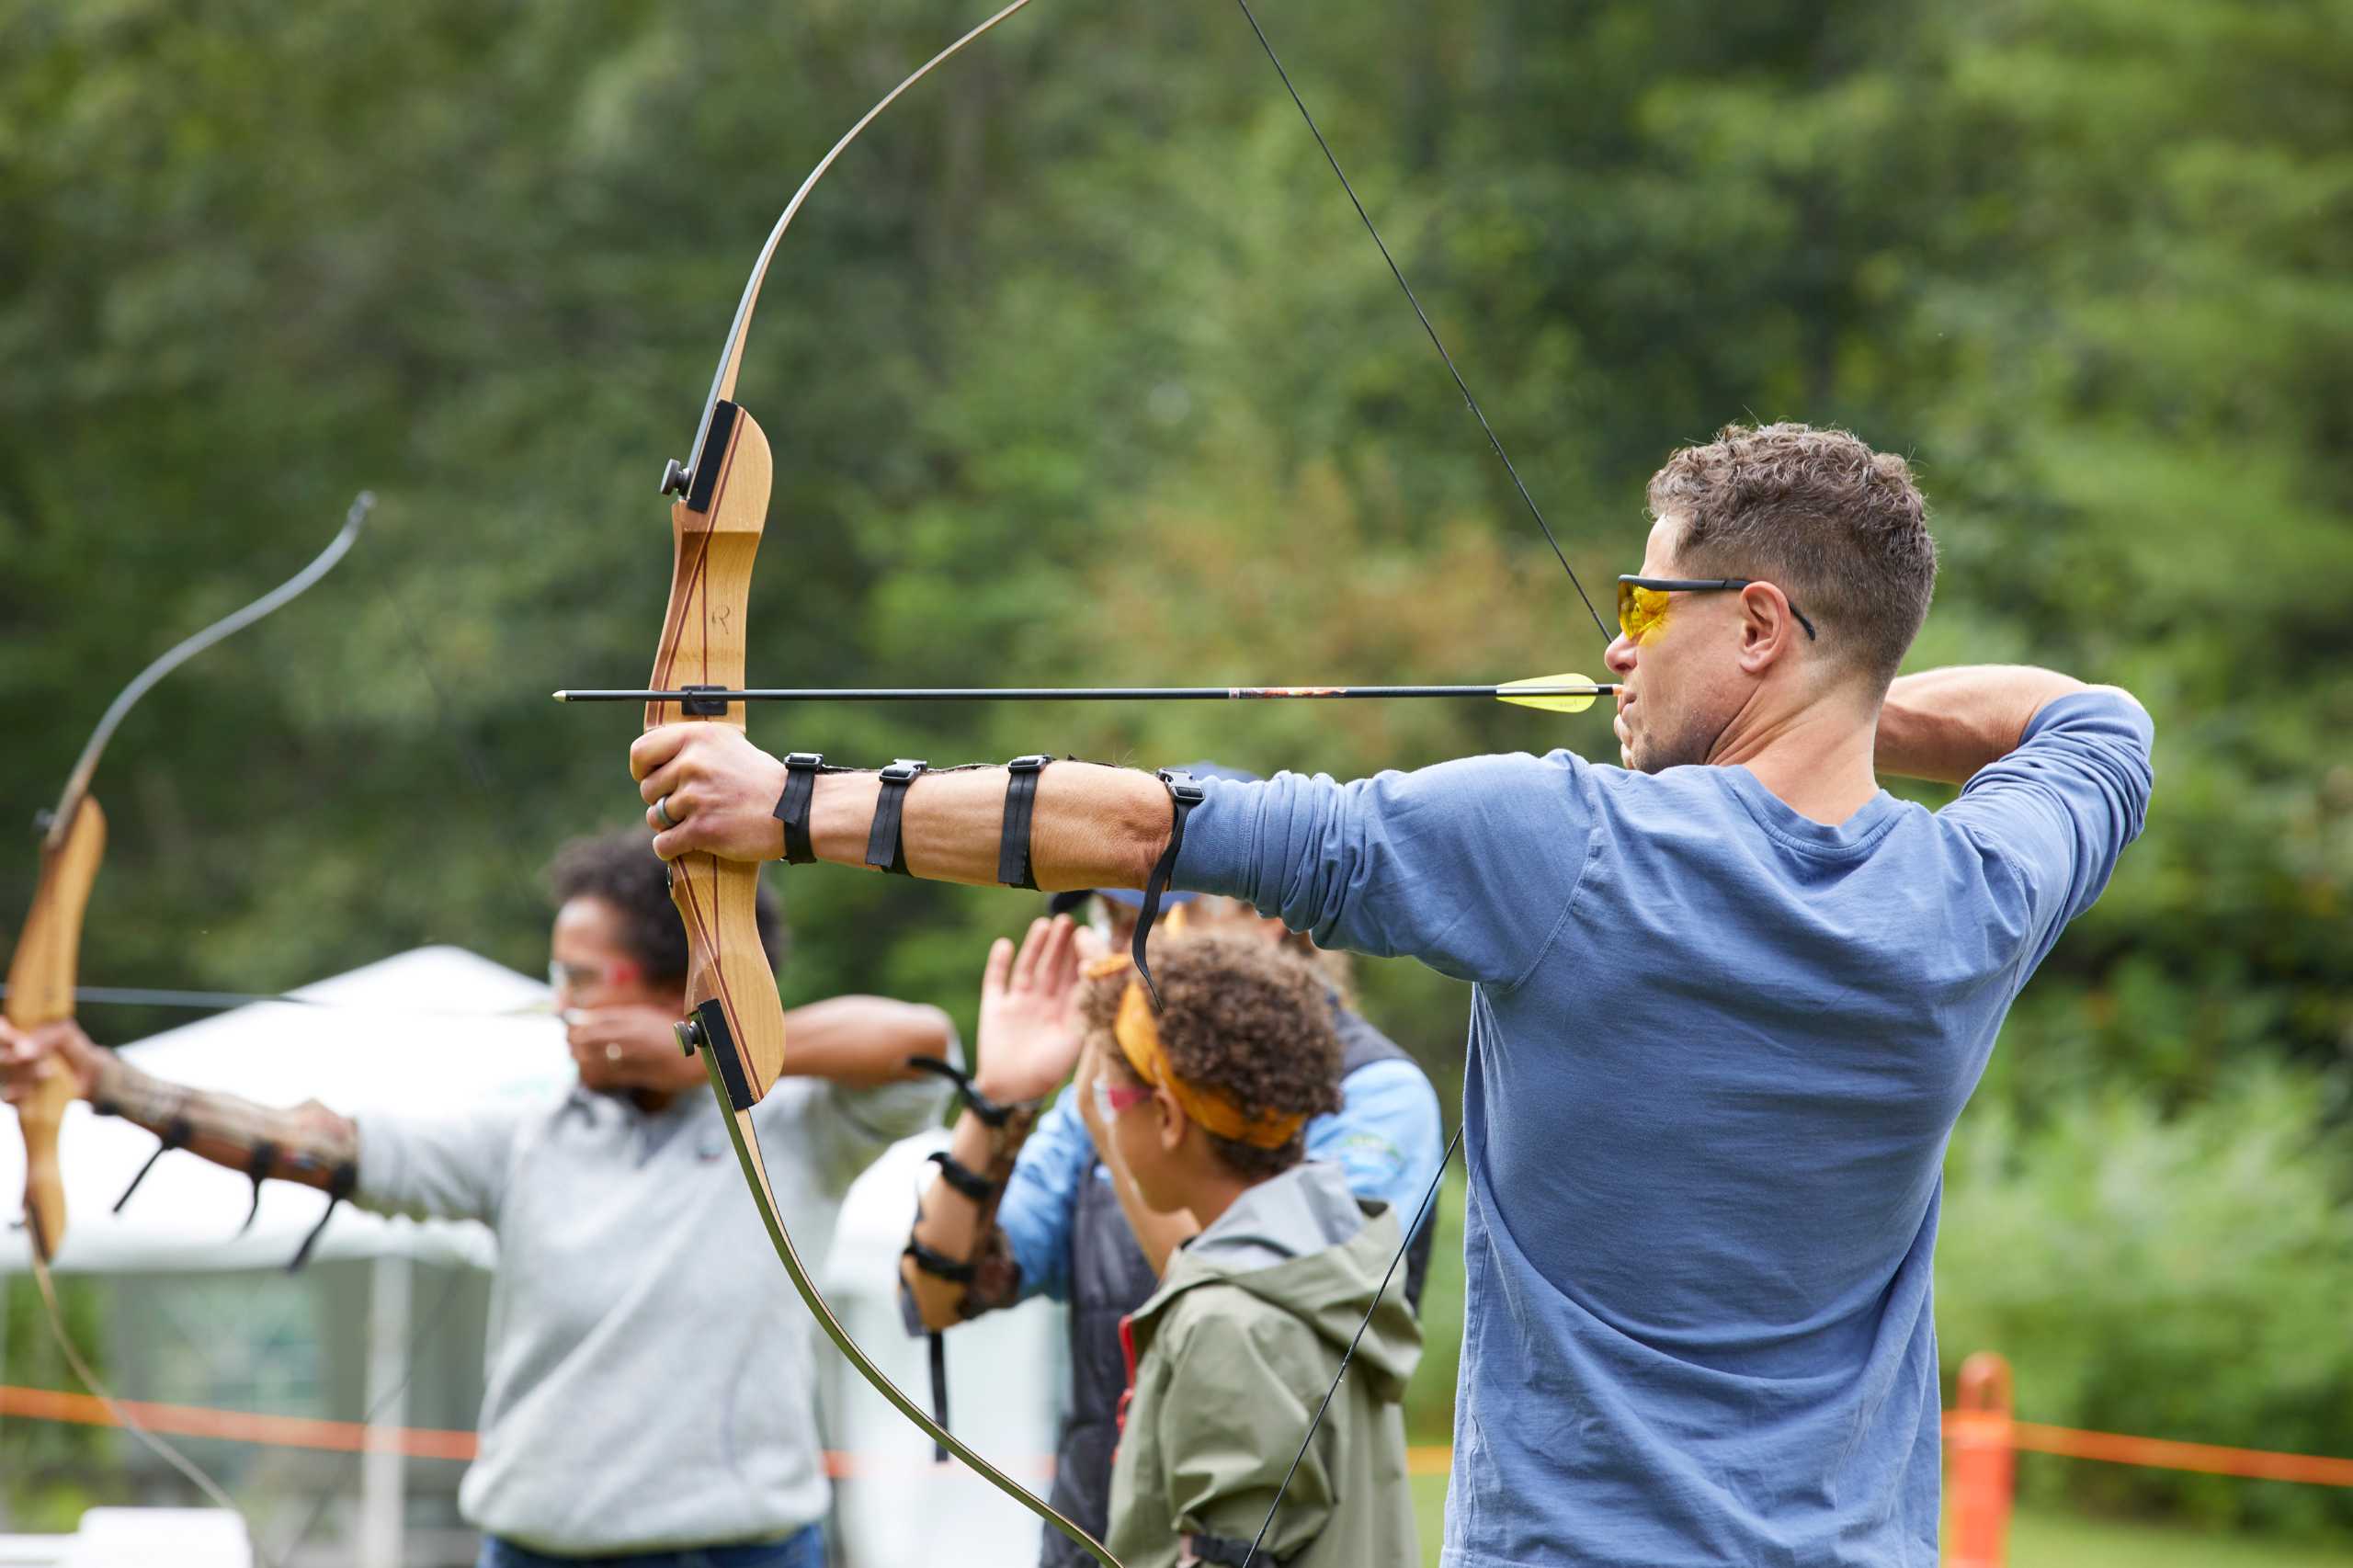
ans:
(1471, 402)
(230, 1001)
(1411, 297)
(1429, 1196)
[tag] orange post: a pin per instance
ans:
(1977, 1432)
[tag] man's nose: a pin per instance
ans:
(1620, 656)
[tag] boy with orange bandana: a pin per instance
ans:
(1200, 1106)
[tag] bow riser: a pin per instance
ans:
(716, 532)
(40, 991)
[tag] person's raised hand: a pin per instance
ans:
(27, 1056)
(1029, 1037)
(707, 788)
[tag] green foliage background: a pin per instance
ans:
(1078, 369)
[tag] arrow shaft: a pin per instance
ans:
(1086, 693)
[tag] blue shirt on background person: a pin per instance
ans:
(1717, 1048)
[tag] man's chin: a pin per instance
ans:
(1646, 757)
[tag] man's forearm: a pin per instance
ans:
(709, 789)
(1091, 826)
(308, 1143)
(1945, 724)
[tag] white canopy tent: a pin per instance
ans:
(438, 1029)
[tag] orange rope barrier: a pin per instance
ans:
(350, 1437)
(239, 1427)
(2159, 1453)
(1431, 1458)
(2155, 1453)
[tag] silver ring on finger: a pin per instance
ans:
(612, 1052)
(662, 810)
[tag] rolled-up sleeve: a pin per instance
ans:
(1466, 866)
(2060, 809)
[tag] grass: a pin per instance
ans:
(2043, 1539)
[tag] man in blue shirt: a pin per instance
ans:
(1730, 999)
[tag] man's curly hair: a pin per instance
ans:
(1841, 529)
(623, 870)
(1240, 1017)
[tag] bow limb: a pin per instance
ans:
(42, 971)
(730, 357)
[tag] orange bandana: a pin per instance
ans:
(1139, 1037)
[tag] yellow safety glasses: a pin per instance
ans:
(1642, 601)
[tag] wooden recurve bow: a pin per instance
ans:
(736, 1020)
(42, 971)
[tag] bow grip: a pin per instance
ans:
(40, 991)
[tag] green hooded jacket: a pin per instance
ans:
(1227, 1363)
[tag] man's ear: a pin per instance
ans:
(1767, 630)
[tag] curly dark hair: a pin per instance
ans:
(1241, 1017)
(622, 869)
(1842, 530)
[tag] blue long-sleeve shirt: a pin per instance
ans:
(1716, 1051)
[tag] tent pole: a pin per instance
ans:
(383, 1480)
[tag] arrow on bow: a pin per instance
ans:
(738, 1021)
(41, 974)
(1551, 694)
